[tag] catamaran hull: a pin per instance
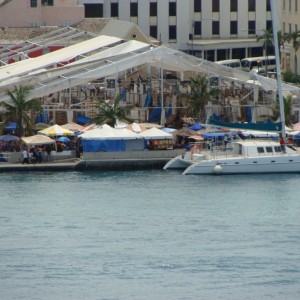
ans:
(177, 163)
(262, 165)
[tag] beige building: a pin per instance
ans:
(35, 13)
(290, 58)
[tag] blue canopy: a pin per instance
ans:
(8, 138)
(63, 139)
(11, 126)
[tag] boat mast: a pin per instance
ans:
(278, 68)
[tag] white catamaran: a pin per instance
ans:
(246, 156)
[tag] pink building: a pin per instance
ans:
(35, 13)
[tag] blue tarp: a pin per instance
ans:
(155, 115)
(148, 100)
(169, 112)
(42, 118)
(83, 119)
(103, 145)
(123, 94)
(213, 135)
(249, 114)
(196, 126)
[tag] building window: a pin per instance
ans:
(172, 9)
(269, 25)
(251, 27)
(233, 27)
(283, 5)
(172, 32)
(283, 27)
(153, 9)
(215, 5)
(197, 28)
(33, 3)
(153, 31)
(251, 5)
(133, 9)
(114, 10)
(234, 5)
(290, 5)
(197, 5)
(296, 5)
(93, 10)
(268, 5)
(290, 28)
(47, 2)
(215, 27)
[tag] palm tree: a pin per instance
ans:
(18, 109)
(287, 104)
(200, 95)
(110, 113)
(267, 38)
(294, 37)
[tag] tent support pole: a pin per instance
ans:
(162, 116)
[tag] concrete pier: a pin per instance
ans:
(87, 165)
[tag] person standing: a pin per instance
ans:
(225, 140)
(25, 156)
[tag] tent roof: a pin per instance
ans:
(185, 132)
(150, 125)
(38, 139)
(72, 126)
(106, 132)
(135, 127)
(27, 66)
(56, 130)
(107, 55)
(155, 133)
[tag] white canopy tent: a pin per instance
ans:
(155, 133)
(105, 132)
(119, 57)
(38, 139)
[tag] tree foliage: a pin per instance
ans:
(110, 113)
(199, 96)
(18, 109)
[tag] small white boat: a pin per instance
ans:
(248, 157)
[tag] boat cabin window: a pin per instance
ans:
(277, 149)
(269, 149)
(260, 150)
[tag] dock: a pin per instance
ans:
(85, 165)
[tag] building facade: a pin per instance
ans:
(213, 29)
(35, 13)
(291, 28)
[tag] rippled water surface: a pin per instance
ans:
(149, 235)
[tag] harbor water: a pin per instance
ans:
(149, 235)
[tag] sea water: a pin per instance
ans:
(149, 235)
